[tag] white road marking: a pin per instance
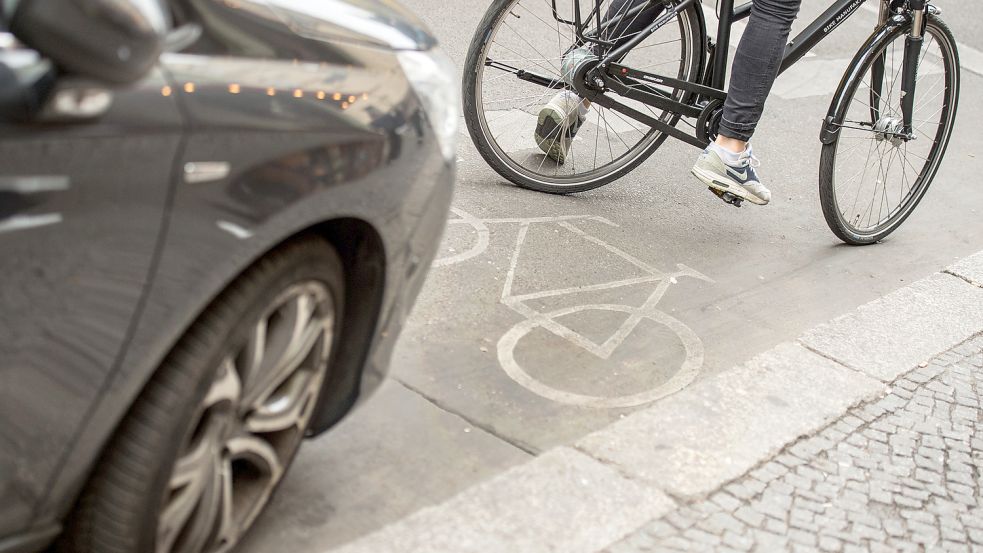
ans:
(479, 247)
(33, 184)
(23, 222)
(234, 229)
(682, 378)
(548, 321)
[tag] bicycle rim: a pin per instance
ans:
(526, 36)
(877, 178)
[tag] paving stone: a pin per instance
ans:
(779, 487)
(721, 522)
(894, 527)
(868, 533)
(680, 520)
(949, 534)
(770, 542)
(750, 516)
(831, 524)
(756, 486)
(726, 501)
(698, 536)
(878, 547)
(923, 533)
(738, 541)
(920, 492)
(776, 526)
(740, 491)
(803, 537)
(829, 543)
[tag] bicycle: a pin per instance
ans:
(552, 321)
(883, 138)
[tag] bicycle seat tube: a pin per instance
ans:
(720, 51)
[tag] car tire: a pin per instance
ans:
(223, 415)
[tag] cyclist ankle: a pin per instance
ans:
(732, 145)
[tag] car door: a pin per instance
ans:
(83, 194)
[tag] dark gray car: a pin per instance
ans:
(214, 218)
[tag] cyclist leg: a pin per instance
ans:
(729, 164)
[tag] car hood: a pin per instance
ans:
(377, 22)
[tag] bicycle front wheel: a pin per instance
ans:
(871, 177)
(502, 111)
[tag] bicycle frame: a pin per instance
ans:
(609, 74)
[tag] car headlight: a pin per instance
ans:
(432, 75)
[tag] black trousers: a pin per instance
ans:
(756, 65)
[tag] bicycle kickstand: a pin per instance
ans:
(727, 197)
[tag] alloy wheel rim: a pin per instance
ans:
(249, 425)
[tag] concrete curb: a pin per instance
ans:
(583, 498)
(561, 501)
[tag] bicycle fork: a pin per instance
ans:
(877, 69)
(913, 50)
(909, 70)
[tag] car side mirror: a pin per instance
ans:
(111, 41)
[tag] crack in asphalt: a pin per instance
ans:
(481, 426)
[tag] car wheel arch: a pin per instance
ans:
(363, 257)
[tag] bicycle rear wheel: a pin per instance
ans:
(502, 111)
(870, 178)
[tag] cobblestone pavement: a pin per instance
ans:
(901, 473)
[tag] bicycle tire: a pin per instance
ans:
(861, 66)
(472, 74)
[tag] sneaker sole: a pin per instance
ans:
(711, 180)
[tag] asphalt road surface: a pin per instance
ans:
(661, 283)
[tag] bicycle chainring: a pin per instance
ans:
(708, 123)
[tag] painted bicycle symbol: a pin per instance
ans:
(549, 321)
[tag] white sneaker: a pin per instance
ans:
(558, 123)
(741, 180)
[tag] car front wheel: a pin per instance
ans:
(210, 437)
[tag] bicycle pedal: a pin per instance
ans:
(727, 197)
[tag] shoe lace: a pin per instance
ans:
(748, 159)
